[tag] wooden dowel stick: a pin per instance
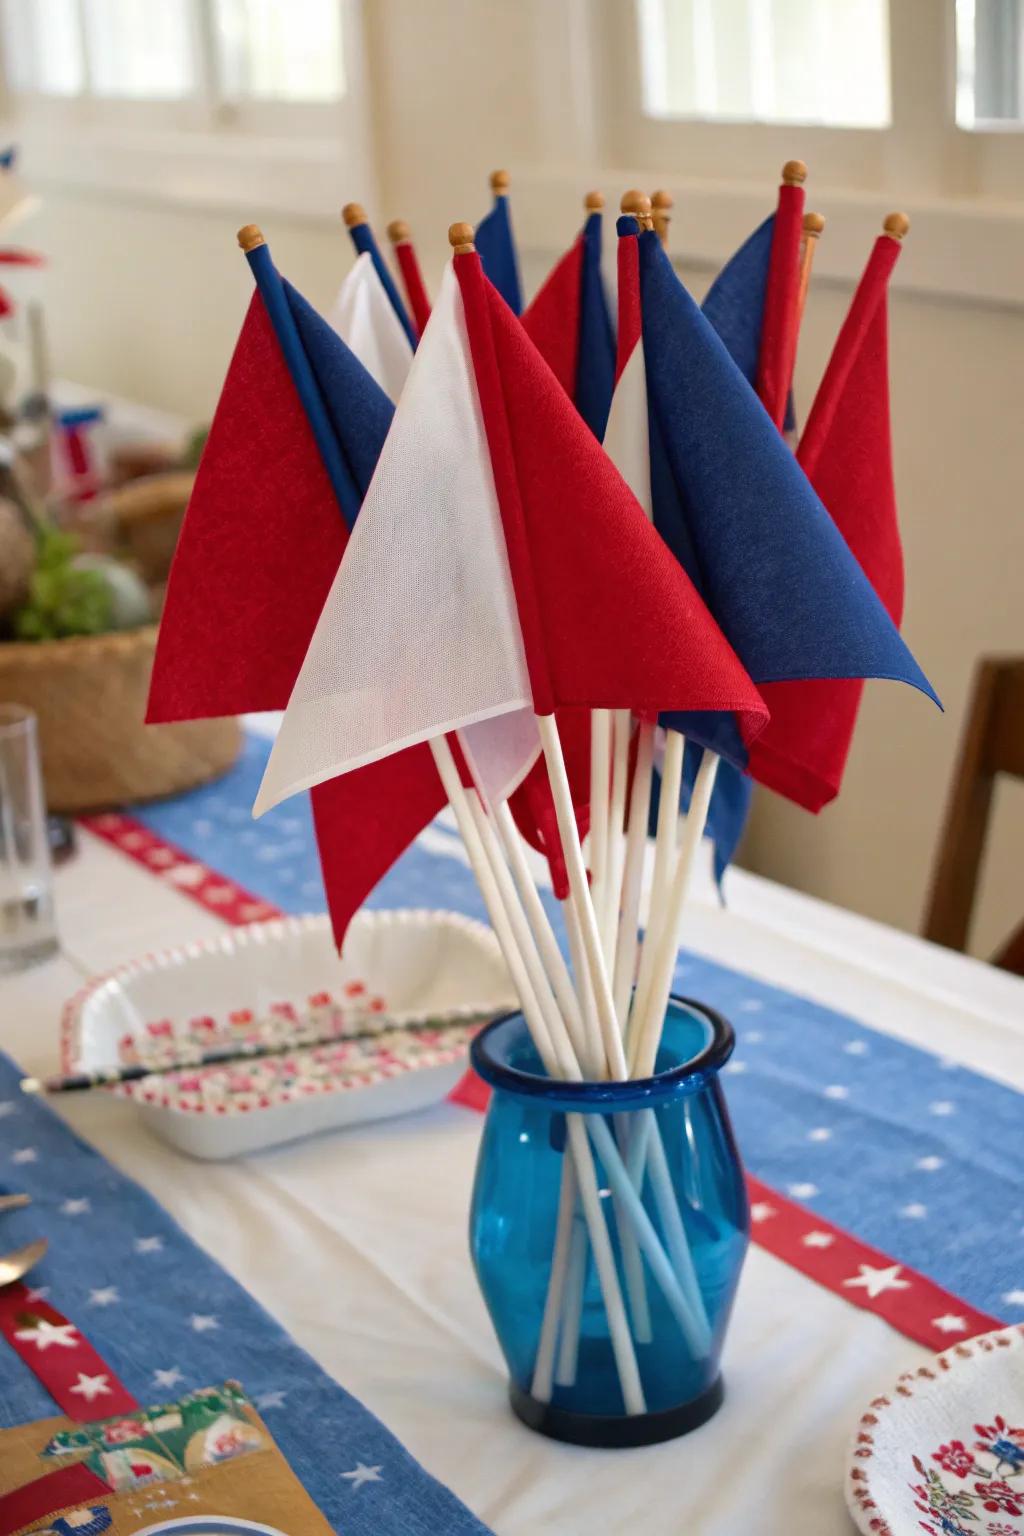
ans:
(600, 782)
(584, 990)
(644, 1045)
(616, 835)
(588, 1052)
(544, 1373)
(580, 893)
(633, 871)
(814, 223)
(661, 882)
(572, 1309)
(586, 1173)
(668, 822)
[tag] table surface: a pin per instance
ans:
(357, 1242)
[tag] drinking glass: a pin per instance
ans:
(27, 930)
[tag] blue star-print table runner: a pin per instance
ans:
(911, 1154)
(168, 1320)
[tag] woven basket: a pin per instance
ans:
(146, 515)
(89, 693)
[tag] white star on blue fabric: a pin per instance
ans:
(930, 1164)
(271, 1400)
(819, 1133)
(7, 1107)
(169, 1378)
(104, 1296)
(1014, 1298)
(915, 1211)
(856, 1048)
(837, 1091)
(202, 1322)
(360, 1475)
(75, 1208)
(149, 1245)
(802, 1191)
(942, 1107)
(25, 1155)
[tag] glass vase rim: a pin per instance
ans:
(607, 1096)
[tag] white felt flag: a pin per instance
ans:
(419, 634)
(365, 320)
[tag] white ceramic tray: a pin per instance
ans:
(409, 965)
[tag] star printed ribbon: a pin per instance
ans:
(80, 1382)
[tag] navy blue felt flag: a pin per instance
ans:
(496, 248)
(569, 324)
(595, 364)
(775, 571)
(363, 240)
(734, 306)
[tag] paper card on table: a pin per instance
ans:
(200, 1466)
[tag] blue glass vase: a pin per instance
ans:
(671, 1197)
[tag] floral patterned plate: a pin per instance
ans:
(943, 1452)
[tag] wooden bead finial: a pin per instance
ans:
(460, 238)
(594, 202)
(896, 225)
(637, 203)
(794, 173)
(250, 236)
(661, 214)
(500, 183)
(399, 232)
(353, 214)
(814, 223)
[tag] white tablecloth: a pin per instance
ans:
(357, 1242)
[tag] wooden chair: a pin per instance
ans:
(992, 743)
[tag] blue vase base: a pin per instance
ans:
(616, 1431)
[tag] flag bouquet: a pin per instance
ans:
(566, 576)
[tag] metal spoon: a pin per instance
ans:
(13, 1202)
(19, 1261)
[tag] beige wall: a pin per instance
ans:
(145, 299)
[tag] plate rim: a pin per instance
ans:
(868, 1517)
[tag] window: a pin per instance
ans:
(223, 53)
(240, 104)
(767, 61)
(990, 64)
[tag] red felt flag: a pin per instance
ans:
(552, 319)
(781, 320)
(846, 451)
(258, 549)
(412, 282)
(608, 617)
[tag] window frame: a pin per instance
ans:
(922, 148)
(198, 149)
